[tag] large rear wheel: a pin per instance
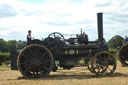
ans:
(35, 61)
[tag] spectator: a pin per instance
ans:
(126, 39)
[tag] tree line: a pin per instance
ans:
(13, 45)
(116, 42)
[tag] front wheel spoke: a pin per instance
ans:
(94, 66)
(99, 69)
(109, 69)
(106, 72)
(100, 66)
(99, 61)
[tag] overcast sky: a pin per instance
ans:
(65, 16)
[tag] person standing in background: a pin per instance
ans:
(126, 39)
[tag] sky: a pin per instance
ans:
(65, 16)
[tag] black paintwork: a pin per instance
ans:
(69, 51)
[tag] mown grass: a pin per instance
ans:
(113, 50)
(7, 54)
(75, 76)
(4, 67)
(4, 57)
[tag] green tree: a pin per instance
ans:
(115, 41)
(3, 45)
(12, 45)
(21, 44)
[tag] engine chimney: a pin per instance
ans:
(100, 26)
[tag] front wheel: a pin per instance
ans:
(103, 63)
(90, 66)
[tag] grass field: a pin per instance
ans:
(4, 53)
(75, 76)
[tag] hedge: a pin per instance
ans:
(4, 57)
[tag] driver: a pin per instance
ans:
(29, 37)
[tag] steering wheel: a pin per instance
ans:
(57, 35)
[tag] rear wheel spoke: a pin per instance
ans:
(45, 68)
(42, 55)
(28, 69)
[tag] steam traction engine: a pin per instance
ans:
(123, 54)
(41, 57)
